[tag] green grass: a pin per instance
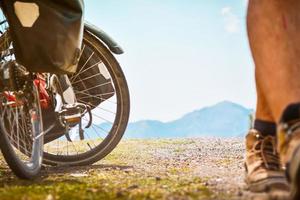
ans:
(130, 172)
(109, 188)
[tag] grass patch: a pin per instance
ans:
(129, 172)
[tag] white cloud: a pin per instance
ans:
(225, 10)
(231, 20)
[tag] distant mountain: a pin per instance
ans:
(225, 119)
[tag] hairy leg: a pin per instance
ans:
(274, 36)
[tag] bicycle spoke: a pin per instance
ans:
(91, 96)
(91, 67)
(82, 50)
(103, 109)
(87, 78)
(100, 128)
(82, 67)
(100, 85)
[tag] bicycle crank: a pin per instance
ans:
(71, 115)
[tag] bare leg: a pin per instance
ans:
(263, 111)
(274, 35)
(270, 26)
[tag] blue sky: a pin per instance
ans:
(180, 55)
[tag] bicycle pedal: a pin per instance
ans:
(73, 118)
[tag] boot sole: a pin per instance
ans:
(266, 185)
(293, 171)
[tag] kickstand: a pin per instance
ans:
(67, 134)
(81, 131)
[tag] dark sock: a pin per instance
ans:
(266, 128)
(291, 113)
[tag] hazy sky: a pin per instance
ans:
(180, 55)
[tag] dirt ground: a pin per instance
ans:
(199, 168)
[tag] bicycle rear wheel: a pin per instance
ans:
(20, 128)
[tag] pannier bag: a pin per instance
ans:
(46, 34)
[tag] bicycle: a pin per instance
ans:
(35, 113)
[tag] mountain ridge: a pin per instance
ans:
(224, 119)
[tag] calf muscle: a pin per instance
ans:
(274, 29)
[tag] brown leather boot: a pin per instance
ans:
(263, 168)
(289, 148)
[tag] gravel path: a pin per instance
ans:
(175, 169)
(219, 163)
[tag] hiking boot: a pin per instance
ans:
(263, 169)
(289, 149)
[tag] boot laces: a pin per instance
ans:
(266, 149)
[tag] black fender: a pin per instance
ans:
(104, 37)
